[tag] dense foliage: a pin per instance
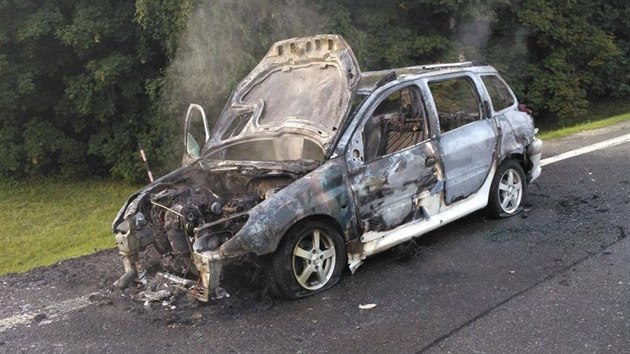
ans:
(82, 83)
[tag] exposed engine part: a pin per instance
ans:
(241, 203)
(175, 231)
(216, 208)
(211, 241)
(270, 192)
(262, 185)
(210, 236)
(167, 208)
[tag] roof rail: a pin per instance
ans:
(450, 65)
(374, 79)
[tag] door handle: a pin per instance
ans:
(430, 161)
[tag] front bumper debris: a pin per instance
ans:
(208, 263)
(193, 288)
(130, 242)
(210, 267)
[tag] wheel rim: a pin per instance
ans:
(510, 191)
(314, 260)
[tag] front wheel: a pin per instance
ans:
(507, 190)
(309, 260)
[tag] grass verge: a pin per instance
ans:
(590, 125)
(44, 222)
(600, 115)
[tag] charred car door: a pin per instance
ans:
(196, 134)
(467, 137)
(391, 160)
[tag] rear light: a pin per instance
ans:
(523, 108)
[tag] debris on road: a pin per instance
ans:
(221, 294)
(153, 296)
(367, 306)
(39, 317)
(622, 232)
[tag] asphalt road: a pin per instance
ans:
(553, 279)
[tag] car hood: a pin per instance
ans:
(303, 86)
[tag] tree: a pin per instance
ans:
(568, 53)
(82, 83)
(79, 82)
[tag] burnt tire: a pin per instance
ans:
(309, 260)
(507, 191)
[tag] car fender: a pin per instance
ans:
(324, 191)
(516, 132)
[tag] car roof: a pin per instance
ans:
(370, 79)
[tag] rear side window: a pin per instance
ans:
(499, 93)
(456, 101)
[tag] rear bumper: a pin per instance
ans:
(534, 154)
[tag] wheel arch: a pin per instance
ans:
(316, 217)
(520, 158)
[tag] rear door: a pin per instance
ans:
(467, 137)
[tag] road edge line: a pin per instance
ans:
(586, 149)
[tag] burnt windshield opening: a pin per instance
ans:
(284, 148)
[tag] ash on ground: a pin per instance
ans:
(244, 290)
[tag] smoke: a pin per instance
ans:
(473, 36)
(223, 41)
(488, 31)
(473, 33)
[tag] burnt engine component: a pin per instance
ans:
(175, 213)
(241, 203)
(208, 240)
(175, 232)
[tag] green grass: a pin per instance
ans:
(600, 115)
(590, 125)
(44, 222)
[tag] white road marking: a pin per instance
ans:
(601, 145)
(51, 311)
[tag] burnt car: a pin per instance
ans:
(313, 166)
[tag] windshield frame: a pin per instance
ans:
(221, 149)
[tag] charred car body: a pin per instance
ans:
(314, 165)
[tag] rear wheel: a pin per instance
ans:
(309, 260)
(507, 191)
